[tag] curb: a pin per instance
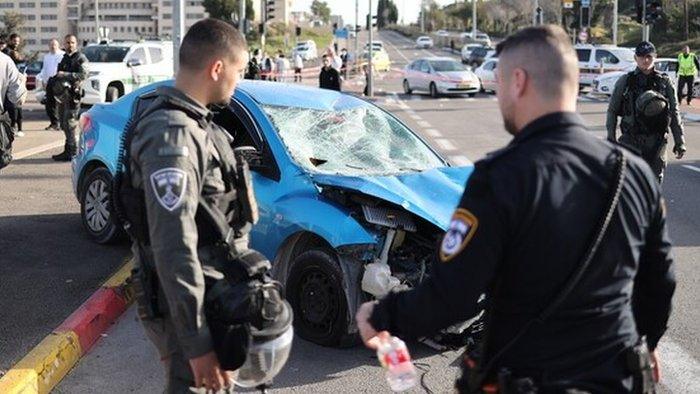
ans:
(691, 117)
(51, 360)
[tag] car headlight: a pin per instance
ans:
(95, 84)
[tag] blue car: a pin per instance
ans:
(352, 202)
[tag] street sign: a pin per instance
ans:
(568, 4)
(585, 3)
(342, 33)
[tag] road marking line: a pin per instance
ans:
(445, 144)
(692, 168)
(397, 50)
(682, 372)
(39, 149)
(444, 99)
(434, 133)
(460, 160)
(414, 116)
(424, 124)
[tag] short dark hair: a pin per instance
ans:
(208, 39)
(13, 36)
(70, 36)
(324, 57)
(526, 50)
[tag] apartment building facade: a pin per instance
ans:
(42, 20)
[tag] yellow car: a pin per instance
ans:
(380, 60)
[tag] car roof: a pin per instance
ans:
(422, 37)
(126, 44)
(436, 58)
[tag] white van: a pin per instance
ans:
(596, 60)
(118, 68)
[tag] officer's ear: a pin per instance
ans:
(519, 82)
(216, 69)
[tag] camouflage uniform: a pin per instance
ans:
(74, 71)
(651, 145)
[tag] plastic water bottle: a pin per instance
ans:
(394, 357)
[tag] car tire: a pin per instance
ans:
(407, 87)
(95, 210)
(696, 90)
(314, 289)
(471, 95)
(112, 94)
(433, 90)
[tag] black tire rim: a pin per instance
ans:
(433, 90)
(406, 88)
(96, 205)
(318, 301)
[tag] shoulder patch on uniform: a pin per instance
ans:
(461, 230)
(169, 185)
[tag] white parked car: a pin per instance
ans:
(376, 46)
(442, 33)
(605, 83)
(594, 59)
(116, 69)
(424, 42)
(307, 50)
(487, 75)
(440, 76)
(467, 51)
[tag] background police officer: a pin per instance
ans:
(688, 66)
(522, 227)
(646, 133)
(72, 71)
(177, 156)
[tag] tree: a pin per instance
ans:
(387, 13)
(321, 10)
(223, 9)
(12, 22)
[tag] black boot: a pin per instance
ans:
(63, 156)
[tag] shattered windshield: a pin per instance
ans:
(356, 141)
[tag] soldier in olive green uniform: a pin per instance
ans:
(181, 162)
(646, 101)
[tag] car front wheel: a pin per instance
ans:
(433, 90)
(112, 94)
(95, 207)
(315, 290)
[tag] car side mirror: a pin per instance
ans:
(133, 63)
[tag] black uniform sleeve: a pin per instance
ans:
(697, 64)
(655, 281)
(465, 265)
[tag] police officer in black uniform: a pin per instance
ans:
(527, 222)
(72, 71)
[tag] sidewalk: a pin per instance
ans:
(690, 113)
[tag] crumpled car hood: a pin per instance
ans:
(433, 194)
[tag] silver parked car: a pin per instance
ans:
(440, 76)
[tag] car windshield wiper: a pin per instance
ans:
(355, 167)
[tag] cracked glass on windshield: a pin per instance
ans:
(356, 141)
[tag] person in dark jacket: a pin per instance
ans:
(329, 77)
(253, 68)
(527, 218)
(13, 50)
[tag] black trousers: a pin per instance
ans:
(687, 81)
(51, 105)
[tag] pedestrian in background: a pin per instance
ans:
(336, 61)
(282, 66)
(646, 101)
(344, 58)
(329, 78)
(688, 67)
(253, 68)
(71, 72)
(48, 71)
(14, 90)
(569, 309)
(13, 50)
(298, 67)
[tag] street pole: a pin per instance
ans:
(357, 37)
(241, 17)
(645, 26)
(614, 25)
(370, 87)
(178, 31)
(473, 19)
(422, 16)
(97, 20)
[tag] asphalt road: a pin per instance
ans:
(35, 295)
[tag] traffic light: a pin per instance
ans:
(298, 31)
(269, 9)
(374, 21)
(653, 12)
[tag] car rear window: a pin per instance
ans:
(583, 54)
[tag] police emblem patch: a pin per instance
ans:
(461, 230)
(169, 186)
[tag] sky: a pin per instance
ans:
(408, 9)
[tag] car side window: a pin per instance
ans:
(140, 55)
(490, 66)
(156, 54)
(605, 57)
(672, 67)
(424, 67)
(583, 54)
